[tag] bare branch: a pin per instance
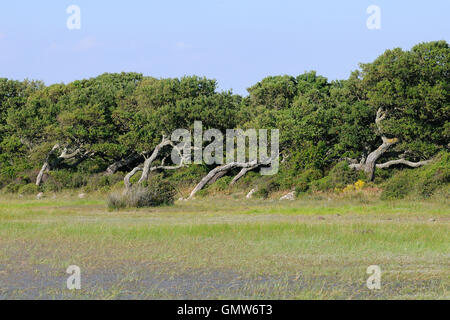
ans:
(356, 166)
(148, 162)
(218, 169)
(369, 164)
(66, 156)
(242, 173)
(217, 177)
(403, 161)
(127, 178)
(227, 167)
(147, 168)
(183, 160)
(113, 168)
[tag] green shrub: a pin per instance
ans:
(247, 181)
(301, 187)
(56, 181)
(339, 176)
(29, 189)
(422, 182)
(15, 185)
(103, 182)
(398, 187)
(189, 175)
(434, 178)
(12, 188)
(78, 180)
(59, 180)
(382, 175)
(202, 193)
(266, 188)
(222, 184)
(306, 178)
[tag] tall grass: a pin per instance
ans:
(140, 197)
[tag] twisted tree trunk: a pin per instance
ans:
(46, 166)
(148, 162)
(369, 164)
(65, 155)
(127, 178)
(242, 173)
(116, 166)
(146, 168)
(225, 168)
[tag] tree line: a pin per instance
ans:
(391, 113)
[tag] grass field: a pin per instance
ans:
(225, 248)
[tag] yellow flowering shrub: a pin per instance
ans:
(359, 185)
(348, 188)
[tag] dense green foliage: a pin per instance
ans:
(322, 123)
(419, 183)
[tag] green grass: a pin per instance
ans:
(225, 248)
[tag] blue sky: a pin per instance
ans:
(236, 42)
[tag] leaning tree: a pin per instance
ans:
(158, 108)
(81, 125)
(408, 93)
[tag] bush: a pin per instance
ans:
(116, 201)
(59, 180)
(305, 179)
(247, 181)
(19, 182)
(422, 182)
(102, 181)
(158, 193)
(266, 188)
(12, 188)
(29, 189)
(301, 187)
(397, 187)
(223, 184)
(339, 177)
(189, 175)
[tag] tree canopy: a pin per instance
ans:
(393, 111)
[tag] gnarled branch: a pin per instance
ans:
(215, 171)
(403, 161)
(242, 173)
(369, 164)
(116, 166)
(127, 178)
(67, 156)
(46, 166)
(148, 162)
(246, 167)
(147, 168)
